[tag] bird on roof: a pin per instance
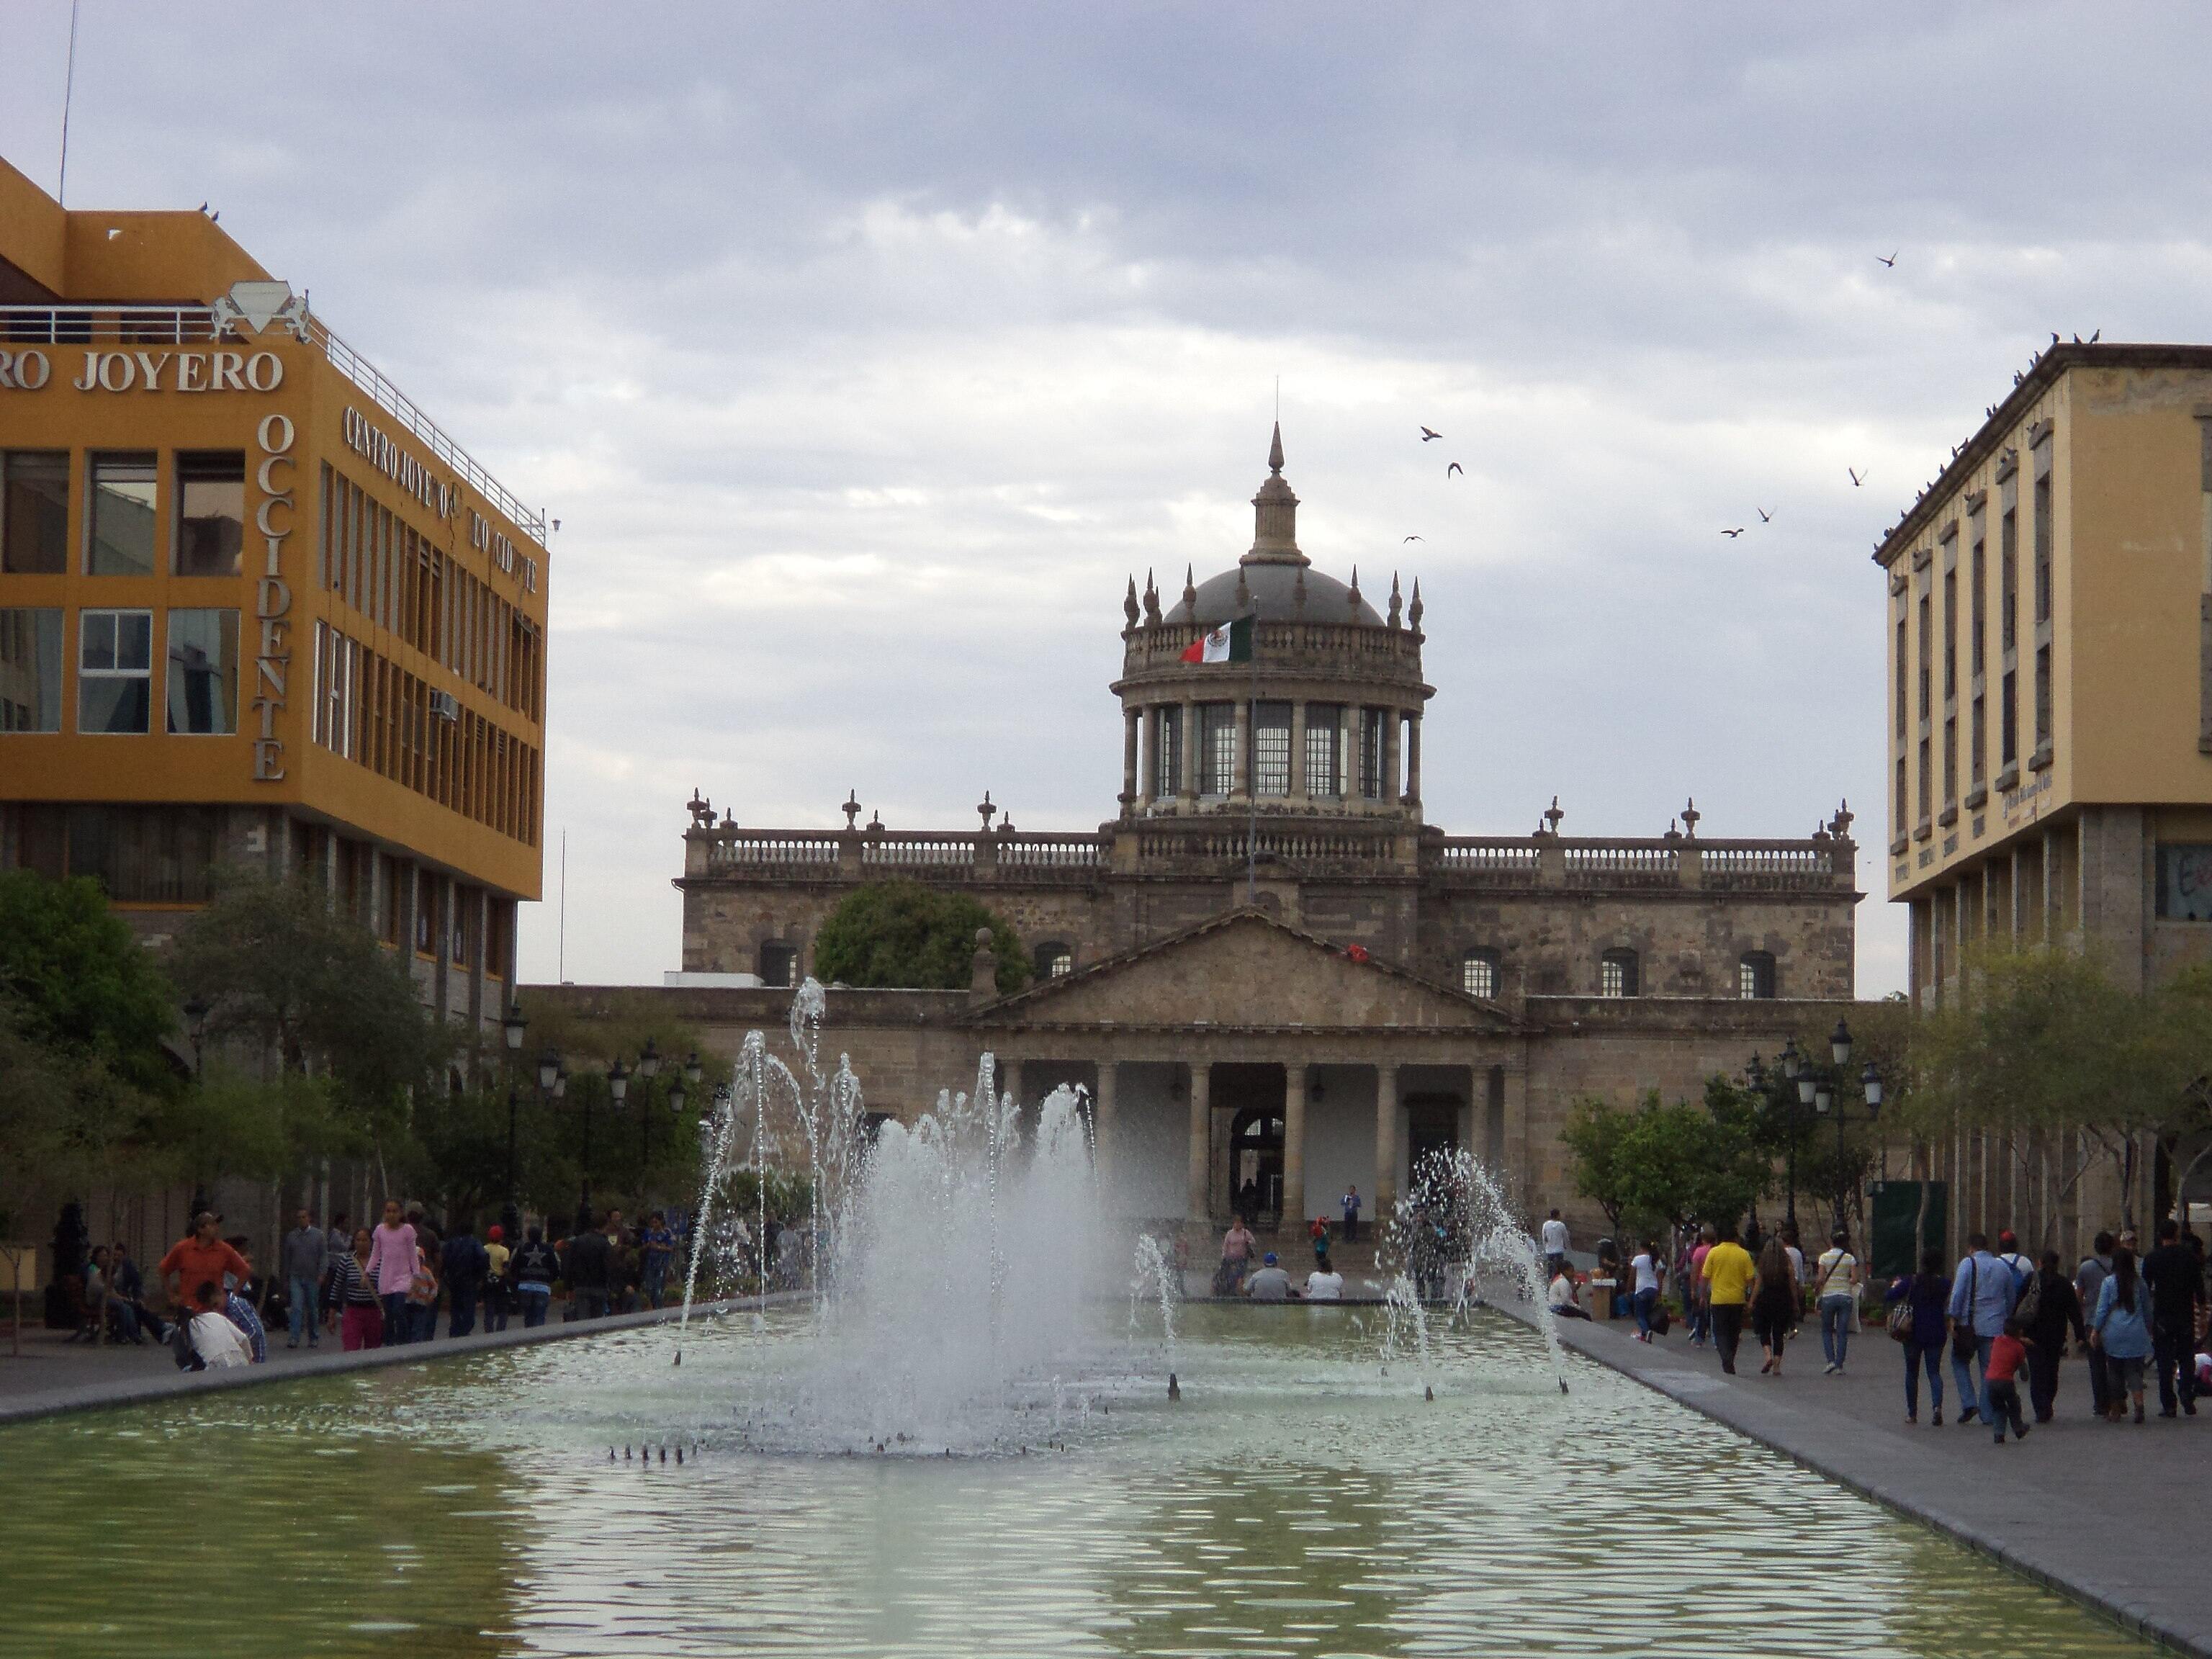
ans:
(1890, 261)
(1426, 434)
(2054, 336)
(2096, 335)
(1454, 467)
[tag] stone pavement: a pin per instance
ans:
(2114, 1518)
(54, 1375)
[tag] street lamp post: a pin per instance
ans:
(513, 1027)
(1786, 1092)
(617, 1086)
(196, 1015)
(1827, 1098)
(549, 1080)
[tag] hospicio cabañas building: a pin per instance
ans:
(1266, 967)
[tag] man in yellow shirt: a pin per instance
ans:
(1728, 1272)
(497, 1297)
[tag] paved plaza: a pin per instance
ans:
(2110, 1516)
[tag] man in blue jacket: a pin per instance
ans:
(465, 1264)
(1982, 1292)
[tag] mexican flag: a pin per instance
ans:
(1231, 642)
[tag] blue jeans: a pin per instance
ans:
(302, 1305)
(1645, 1302)
(398, 1319)
(1835, 1329)
(656, 1280)
(424, 1325)
(1918, 1359)
(536, 1299)
(1973, 1385)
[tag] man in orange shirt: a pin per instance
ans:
(198, 1260)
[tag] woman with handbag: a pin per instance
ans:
(1837, 1296)
(1918, 1320)
(1774, 1302)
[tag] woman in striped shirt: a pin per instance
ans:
(352, 1289)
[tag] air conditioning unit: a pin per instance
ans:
(444, 705)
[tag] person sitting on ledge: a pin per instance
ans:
(1323, 1283)
(1270, 1284)
(1564, 1298)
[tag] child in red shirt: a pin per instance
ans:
(2007, 1353)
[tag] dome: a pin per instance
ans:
(1274, 589)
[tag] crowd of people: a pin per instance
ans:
(385, 1285)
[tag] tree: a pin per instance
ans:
(1596, 1136)
(80, 980)
(900, 934)
(1658, 1165)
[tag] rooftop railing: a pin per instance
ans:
(195, 324)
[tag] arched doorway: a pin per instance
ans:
(1255, 1165)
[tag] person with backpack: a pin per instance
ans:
(1918, 1320)
(2048, 1311)
(534, 1269)
(1982, 1292)
(1836, 1294)
(2119, 1330)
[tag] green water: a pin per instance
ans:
(1295, 1501)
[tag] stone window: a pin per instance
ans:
(1054, 960)
(1904, 673)
(1754, 976)
(779, 966)
(1478, 973)
(2007, 581)
(1324, 750)
(1167, 751)
(1270, 748)
(1979, 628)
(1216, 757)
(1617, 975)
(2043, 530)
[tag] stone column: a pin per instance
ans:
(1299, 782)
(1390, 718)
(1103, 1126)
(1294, 1140)
(1386, 1141)
(1129, 719)
(1189, 769)
(1413, 758)
(1201, 1142)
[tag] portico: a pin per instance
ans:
(1246, 1064)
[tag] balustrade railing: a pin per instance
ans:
(1045, 852)
(1601, 865)
(777, 848)
(1470, 855)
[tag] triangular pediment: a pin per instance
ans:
(1244, 970)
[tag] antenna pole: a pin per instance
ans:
(561, 949)
(68, 91)
(1252, 775)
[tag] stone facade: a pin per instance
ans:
(1268, 965)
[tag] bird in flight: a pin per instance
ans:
(1857, 477)
(1765, 517)
(1409, 539)
(1454, 467)
(1732, 534)
(1891, 262)
(1426, 434)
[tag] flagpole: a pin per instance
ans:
(1252, 777)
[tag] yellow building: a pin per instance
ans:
(2050, 672)
(254, 605)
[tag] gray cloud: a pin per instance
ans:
(865, 351)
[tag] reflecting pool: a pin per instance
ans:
(1299, 1498)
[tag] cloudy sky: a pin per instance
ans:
(863, 352)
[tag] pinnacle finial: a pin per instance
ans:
(1413, 610)
(1189, 595)
(1397, 605)
(1129, 602)
(1275, 450)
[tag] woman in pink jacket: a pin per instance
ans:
(392, 1257)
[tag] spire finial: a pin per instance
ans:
(1129, 602)
(1189, 596)
(1396, 603)
(1275, 451)
(1413, 610)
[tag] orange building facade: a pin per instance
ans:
(255, 607)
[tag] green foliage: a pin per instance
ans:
(1656, 1165)
(283, 970)
(81, 981)
(902, 934)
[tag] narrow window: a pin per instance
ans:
(35, 513)
(1324, 750)
(1167, 751)
(1477, 974)
(1054, 960)
(202, 693)
(2008, 721)
(1950, 760)
(1903, 800)
(777, 966)
(2007, 583)
(1976, 747)
(114, 671)
(30, 670)
(1270, 748)
(2043, 549)
(210, 514)
(1904, 673)
(1218, 758)
(2042, 701)
(1372, 724)
(1977, 626)
(1927, 784)
(1754, 976)
(121, 534)
(1617, 975)
(1926, 656)
(1950, 635)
